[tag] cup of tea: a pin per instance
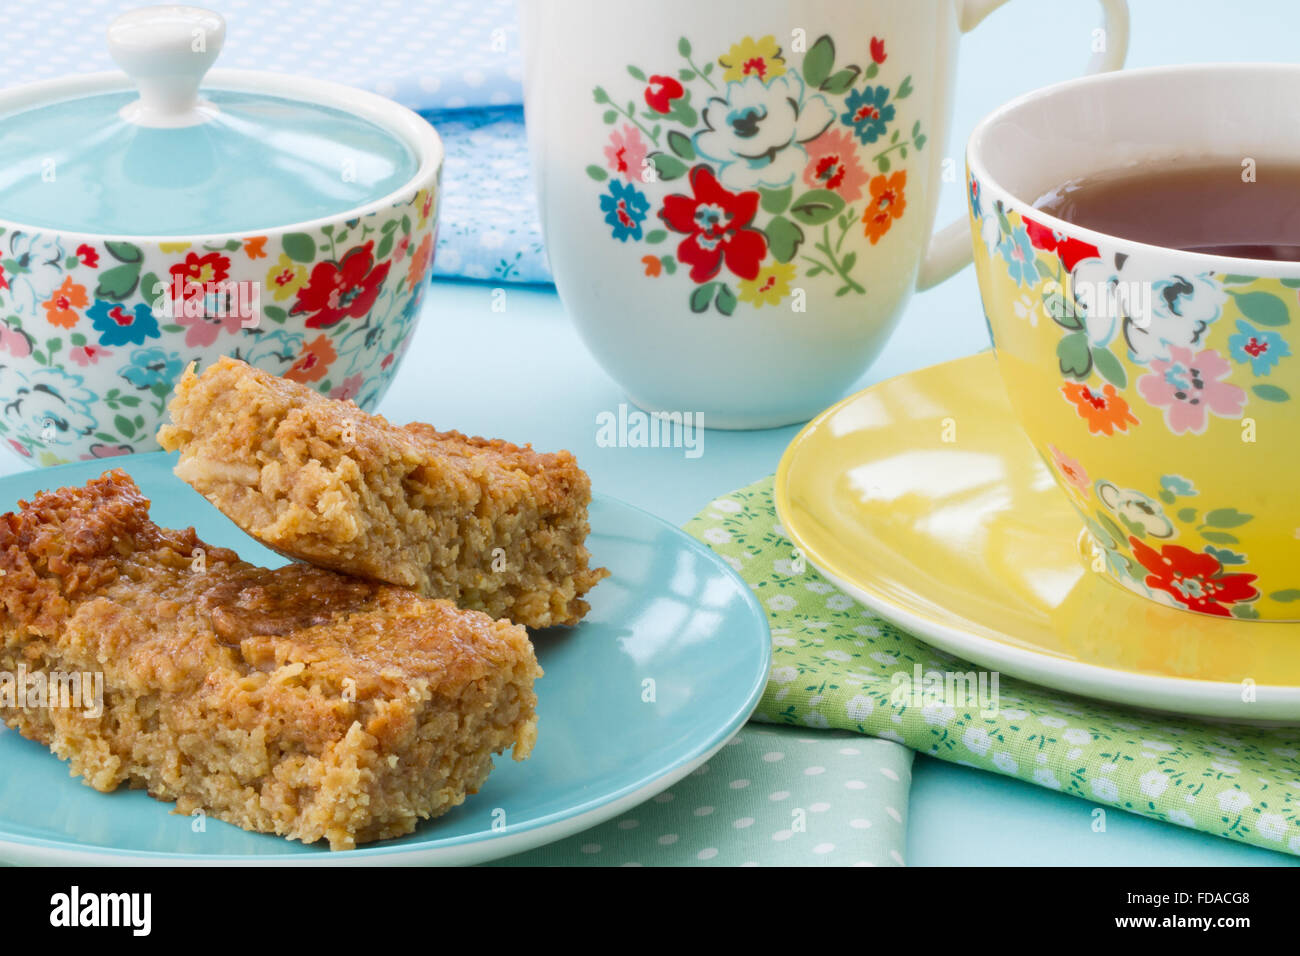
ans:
(737, 196)
(1137, 242)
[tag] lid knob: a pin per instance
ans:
(166, 50)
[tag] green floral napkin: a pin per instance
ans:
(774, 796)
(834, 664)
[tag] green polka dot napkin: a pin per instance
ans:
(834, 663)
(773, 796)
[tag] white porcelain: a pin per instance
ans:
(605, 83)
(166, 50)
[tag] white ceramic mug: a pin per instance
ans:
(737, 196)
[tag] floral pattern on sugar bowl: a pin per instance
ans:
(736, 173)
(1162, 399)
(93, 334)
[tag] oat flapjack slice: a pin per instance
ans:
(295, 701)
(484, 523)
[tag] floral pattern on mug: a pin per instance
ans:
(1113, 315)
(92, 339)
(1140, 347)
(1185, 558)
(767, 156)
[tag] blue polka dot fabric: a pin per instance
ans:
(457, 62)
(488, 226)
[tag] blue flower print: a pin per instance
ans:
(1177, 485)
(1260, 348)
(1018, 253)
(118, 325)
(868, 112)
(625, 209)
(153, 366)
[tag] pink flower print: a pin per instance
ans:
(1188, 387)
(1070, 469)
(100, 450)
(349, 388)
(204, 329)
(88, 355)
(14, 342)
(833, 164)
(626, 152)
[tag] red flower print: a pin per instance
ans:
(877, 50)
(1195, 580)
(338, 290)
(661, 92)
(1069, 250)
(388, 360)
(3, 283)
(88, 256)
(715, 222)
(213, 267)
(21, 449)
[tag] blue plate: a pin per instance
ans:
(668, 665)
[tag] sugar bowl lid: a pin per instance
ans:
(192, 153)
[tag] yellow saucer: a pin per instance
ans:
(922, 498)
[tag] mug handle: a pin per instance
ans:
(950, 247)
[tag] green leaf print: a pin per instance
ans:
(1226, 518)
(775, 201)
(839, 84)
(1219, 537)
(1263, 308)
(680, 144)
(300, 247)
(726, 300)
(1074, 355)
(1110, 368)
(818, 61)
(118, 283)
(124, 251)
(783, 238)
(596, 173)
(1287, 596)
(668, 167)
(1271, 393)
(816, 207)
(701, 297)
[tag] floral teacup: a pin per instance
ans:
(1161, 387)
(737, 195)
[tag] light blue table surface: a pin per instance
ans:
(543, 387)
(522, 374)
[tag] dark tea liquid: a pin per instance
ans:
(1200, 207)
